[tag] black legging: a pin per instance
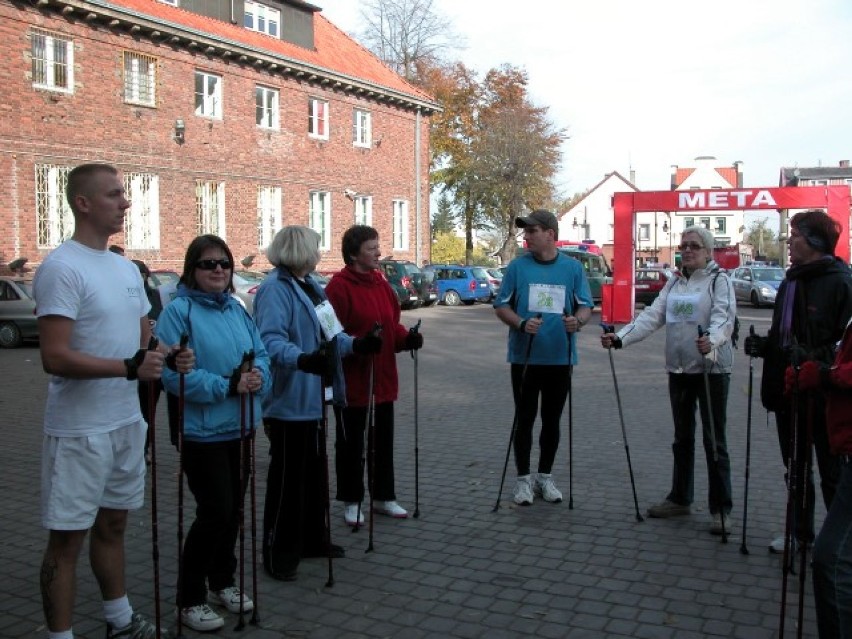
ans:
(349, 449)
(553, 384)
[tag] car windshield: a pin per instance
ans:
(250, 276)
(479, 273)
(409, 268)
(769, 274)
(495, 272)
(161, 278)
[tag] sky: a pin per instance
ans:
(647, 85)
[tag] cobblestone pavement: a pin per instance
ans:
(461, 570)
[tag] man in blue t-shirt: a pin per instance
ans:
(544, 299)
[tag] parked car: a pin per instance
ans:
(461, 284)
(495, 279)
(245, 285)
(431, 288)
(320, 279)
(757, 284)
(408, 275)
(594, 264)
(17, 311)
(162, 278)
(649, 282)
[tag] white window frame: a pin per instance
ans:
(54, 219)
(47, 66)
(140, 78)
(208, 101)
(400, 225)
(362, 128)
(142, 220)
(210, 207)
(268, 214)
(644, 232)
(721, 227)
(319, 215)
(364, 210)
(174, 3)
(266, 107)
(318, 118)
(262, 18)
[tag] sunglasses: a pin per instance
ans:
(210, 265)
(695, 246)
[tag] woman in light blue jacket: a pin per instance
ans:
(220, 333)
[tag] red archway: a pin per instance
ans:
(834, 199)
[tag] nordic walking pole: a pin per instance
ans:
(323, 432)
(609, 328)
(570, 417)
(702, 333)
(792, 490)
(412, 330)
(184, 340)
(515, 419)
(365, 444)
(803, 551)
(743, 547)
(371, 440)
(155, 535)
(255, 619)
(245, 367)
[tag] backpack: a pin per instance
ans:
(735, 334)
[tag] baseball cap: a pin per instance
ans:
(539, 217)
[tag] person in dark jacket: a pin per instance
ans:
(832, 558)
(813, 305)
(362, 298)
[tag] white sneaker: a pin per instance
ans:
(351, 514)
(201, 618)
(391, 509)
(716, 526)
(230, 599)
(546, 489)
(523, 491)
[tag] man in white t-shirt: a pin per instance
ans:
(93, 327)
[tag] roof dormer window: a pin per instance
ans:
(262, 18)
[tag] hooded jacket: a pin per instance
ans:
(822, 308)
(705, 299)
(220, 332)
(360, 300)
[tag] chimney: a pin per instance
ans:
(738, 165)
(674, 177)
(844, 164)
(633, 175)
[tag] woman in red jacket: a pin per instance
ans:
(832, 554)
(363, 300)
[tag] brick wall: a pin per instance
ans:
(95, 124)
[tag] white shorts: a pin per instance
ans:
(80, 475)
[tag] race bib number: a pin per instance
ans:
(331, 326)
(546, 298)
(682, 308)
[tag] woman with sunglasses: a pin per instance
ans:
(223, 337)
(701, 294)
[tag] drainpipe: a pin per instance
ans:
(418, 213)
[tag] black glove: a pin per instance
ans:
(798, 355)
(234, 381)
(370, 344)
(755, 345)
(616, 342)
(413, 341)
(315, 363)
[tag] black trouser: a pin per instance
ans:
(213, 475)
(553, 384)
(294, 512)
(829, 466)
(349, 450)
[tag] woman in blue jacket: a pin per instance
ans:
(305, 343)
(220, 333)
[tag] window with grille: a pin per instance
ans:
(142, 219)
(268, 214)
(259, 17)
(361, 128)
(400, 225)
(320, 217)
(210, 208)
(318, 118)
(266, 107)
(208, 95)
(54, 219)
(140, 76)
(53, 61)
(364, 210)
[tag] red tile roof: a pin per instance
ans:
(681, 175)
(728, 173)
(333, 50)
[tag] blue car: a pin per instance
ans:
(461, 284)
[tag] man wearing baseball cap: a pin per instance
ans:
(544, 299)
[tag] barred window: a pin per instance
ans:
(400, 225)
(210, 207)
(364, 210)
(142, 220)
(53, 61)
(54, 219)
(268, 214)
(140, 79)
(320, 217)
(266, 107)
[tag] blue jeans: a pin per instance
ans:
(832, 562)
(685, 390)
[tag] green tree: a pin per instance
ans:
(763, 240)
(444, 219)
(447, 248)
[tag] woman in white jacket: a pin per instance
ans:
(700, 295)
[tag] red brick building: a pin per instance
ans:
(231, 117)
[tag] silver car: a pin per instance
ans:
(245, 285)
(757, 284)
(17, 311)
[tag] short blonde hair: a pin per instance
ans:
(296, 247)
